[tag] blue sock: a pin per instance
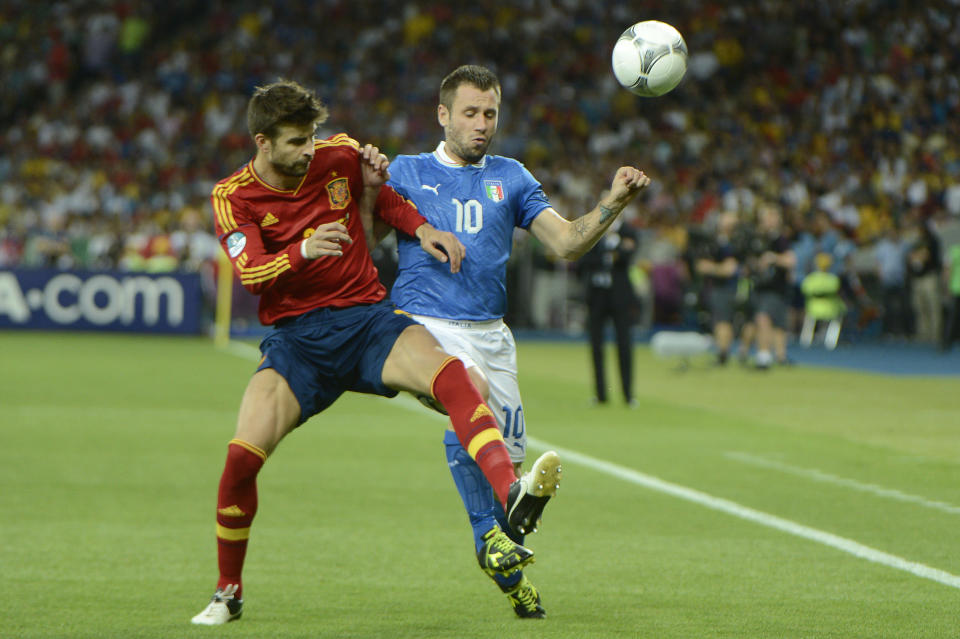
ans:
(478, 499)
(474, 489)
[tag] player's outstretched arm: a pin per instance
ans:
(571, 239)
(442, 245)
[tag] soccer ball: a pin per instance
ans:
(650, 58)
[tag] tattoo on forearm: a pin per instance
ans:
(605, 213)
(580, 226)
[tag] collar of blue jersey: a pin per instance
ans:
(443, 158)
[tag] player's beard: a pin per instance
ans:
(292, 169)
(469, 152)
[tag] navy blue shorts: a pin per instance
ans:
(328, 351)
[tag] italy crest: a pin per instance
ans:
(494, 189)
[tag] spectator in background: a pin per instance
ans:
(821, 290)
(771, 267)
(161, 257)
(820, 236)
(121, 109)
(890, 253)
(719, 270)
(192, 242)
(609, 296)
(668, 272)
(49, 245)
(951, 331)
(924, 266)
(746, 328)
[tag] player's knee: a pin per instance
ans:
(475, 376)
(245, 458)
(268, 412)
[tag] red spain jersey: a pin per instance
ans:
(261, 228)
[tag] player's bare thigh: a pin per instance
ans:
(269, 410)
(413, 361)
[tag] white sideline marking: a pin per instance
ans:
(242, 349)
(689, 494)
(818, 475)
(732, 508)
(771, 521)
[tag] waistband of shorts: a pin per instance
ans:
(320, 311)
(482, 325)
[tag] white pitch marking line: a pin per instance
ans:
(771, 521)
(821, 476)
(242, 349)
(843, 544)
(715, 503)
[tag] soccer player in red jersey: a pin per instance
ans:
(291, 221)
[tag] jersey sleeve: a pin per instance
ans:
(240, 239)
(532, 199)
(398, 212)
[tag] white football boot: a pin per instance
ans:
(223, 607)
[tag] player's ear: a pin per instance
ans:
(263, 142)
(443, 115)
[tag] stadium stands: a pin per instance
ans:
(117, 117)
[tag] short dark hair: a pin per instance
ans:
(283, 103)
(480, 77)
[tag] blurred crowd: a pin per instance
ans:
(117, 117)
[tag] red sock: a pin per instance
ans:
(236, 506)
(474, 424)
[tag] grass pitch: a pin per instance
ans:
(111, 448)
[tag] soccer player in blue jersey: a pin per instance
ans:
(481, 199)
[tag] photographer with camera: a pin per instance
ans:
(718, 264)
(771, 265)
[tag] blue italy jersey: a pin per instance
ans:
(480, 203)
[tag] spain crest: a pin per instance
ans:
(339, 192)
(494, 189)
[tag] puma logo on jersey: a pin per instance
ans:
(431, 188)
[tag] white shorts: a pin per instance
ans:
(489, 347)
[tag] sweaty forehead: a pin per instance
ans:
(469, 96)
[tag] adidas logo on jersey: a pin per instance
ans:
(269, 219)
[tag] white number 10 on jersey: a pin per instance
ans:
(469, 216)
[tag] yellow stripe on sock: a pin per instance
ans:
(483, 438)
(256, 450)
(233, 534)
